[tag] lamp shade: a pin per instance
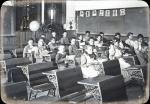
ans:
(34, 25)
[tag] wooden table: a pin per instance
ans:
(92, 85)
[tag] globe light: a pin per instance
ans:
(34, 25)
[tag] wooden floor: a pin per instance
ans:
(133, 94)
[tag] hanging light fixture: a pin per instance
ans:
(52, 13)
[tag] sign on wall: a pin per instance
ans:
(100, 12)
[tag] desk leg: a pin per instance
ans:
(95, 91)
(53, 79)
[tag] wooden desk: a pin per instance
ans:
(92, 85)
(52, 76)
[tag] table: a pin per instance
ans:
(92, 85)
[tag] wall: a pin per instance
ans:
(72, 6)
(7, 27)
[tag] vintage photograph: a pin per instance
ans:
(68, 51)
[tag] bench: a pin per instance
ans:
(38, 82)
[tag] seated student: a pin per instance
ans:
(61, 56)
(64, 40)
(87, 35)
(130, 44)
(106, 42)
(54, 35)
(115, 51)
(118, 37)
(44, 39)
(91, 43)
(40, 51)
(99, 41)
(29, 49)
(130, 41)
(52, 45)
(140, 48)
(89, 66)
(73, 48)
(81, 42)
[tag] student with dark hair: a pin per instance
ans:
(81, 42)
(141, 48)
(99, 41)
(117, 37)
(28, 49)
(87, 35)
(64, 40)
(115, 51)
(106, 42)
(72, 47)
(91, 41)
(54, 35)
(130, 41)
(43, 36)
(52, 45)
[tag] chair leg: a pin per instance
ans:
(30, 95)
(48, 92)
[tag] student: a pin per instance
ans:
(105, 41)
(115, 51)
(99, 41)
(81, 42)
(44, 39)
(29, 50)
(129, 44)
(89, 66)
(140, 48)
(118, 38)
(91, 41)
(61, 56)
(130, 41)
(40, 51)
(73, 48)
(52, 45)
(54, 35)
(64, 40)
(87, 35)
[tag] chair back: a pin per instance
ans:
(112, 67)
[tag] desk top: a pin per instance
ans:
(57, 70)
(94, 81)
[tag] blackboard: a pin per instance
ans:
(135, 20)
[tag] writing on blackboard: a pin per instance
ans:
(107, 13)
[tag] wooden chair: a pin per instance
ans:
(37, 82)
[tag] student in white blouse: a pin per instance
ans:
(99, 41)
(89, 65)
(130, 41)
(114, 50)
